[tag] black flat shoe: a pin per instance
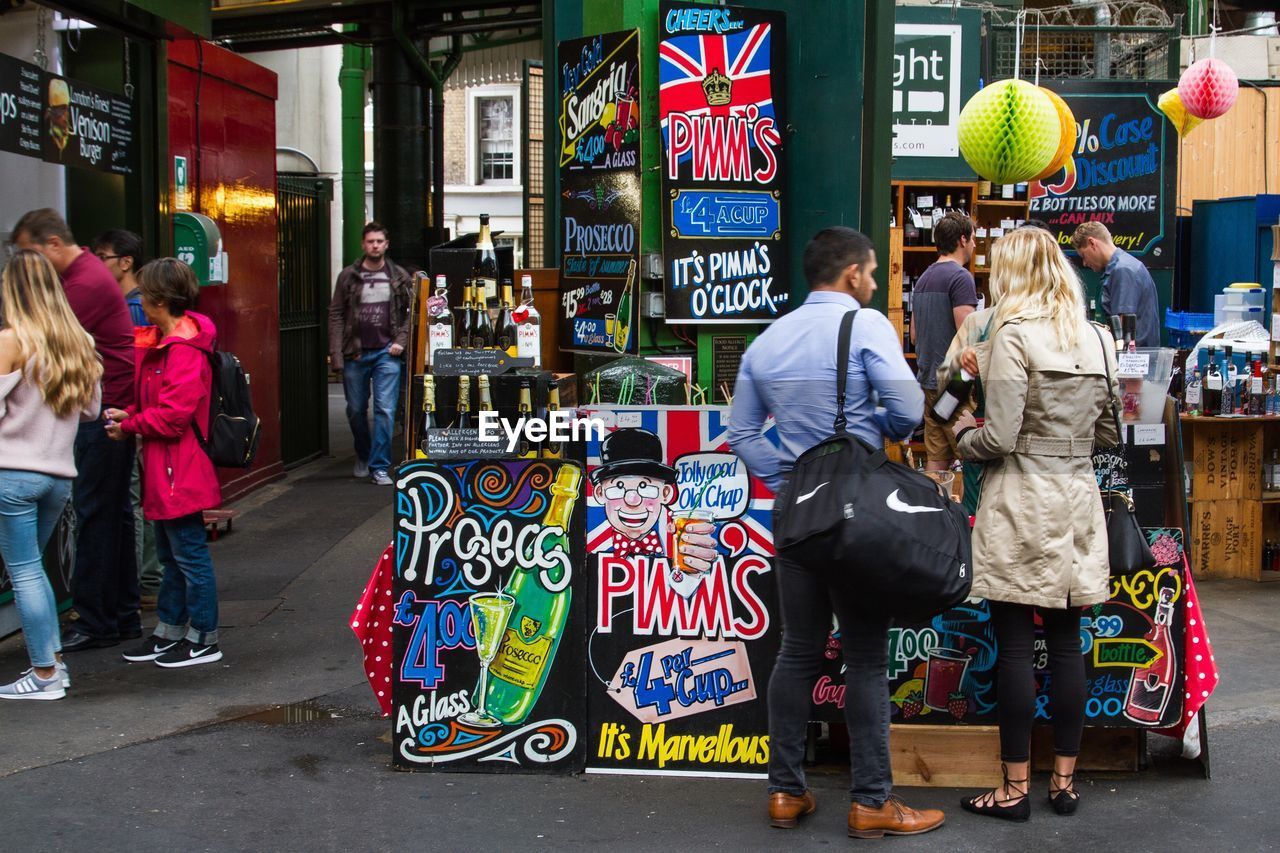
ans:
(78, 641)
(1064, 798)
(990, 804)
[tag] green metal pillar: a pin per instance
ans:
(877, 138)
(351, 84)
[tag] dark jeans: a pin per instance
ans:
(188, 600)
(807, 599)
(104, 585)
(1016, 681)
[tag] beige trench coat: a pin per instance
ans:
(1040, 536)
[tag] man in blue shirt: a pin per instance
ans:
(1127, 286)
(790, 372)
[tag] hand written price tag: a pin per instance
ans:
(997, 233)
(1148, 434)
(1133, 365)
(461, 443)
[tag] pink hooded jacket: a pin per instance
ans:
(173, 382)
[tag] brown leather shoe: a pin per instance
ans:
(786, 809)
(893, 818)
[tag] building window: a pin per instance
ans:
(496, 137)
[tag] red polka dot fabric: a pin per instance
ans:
(1202, 668)
(371, 623)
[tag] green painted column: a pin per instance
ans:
(351, 85)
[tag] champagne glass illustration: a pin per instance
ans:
(489, 614)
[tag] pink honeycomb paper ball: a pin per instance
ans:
(1208, 88)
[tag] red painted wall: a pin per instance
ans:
(222, 119)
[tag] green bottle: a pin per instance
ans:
(520, 668)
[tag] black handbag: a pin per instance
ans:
(1127, 548)
(888, 531)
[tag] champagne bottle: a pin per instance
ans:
(504, 332)
(528, 324)
(427, 420)
(466, 321)
(485, 269)
(552, 449)
(955, 395)
(523, 661)
(463, 418)
(482, 331)
(525, 412)
(440, 321)
(486, 399)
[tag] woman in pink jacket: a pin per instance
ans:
(178, 480)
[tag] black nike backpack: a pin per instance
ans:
(904, 545)
(234, 429)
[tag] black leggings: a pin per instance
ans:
(1016, 683)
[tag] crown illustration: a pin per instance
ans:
(718, 88)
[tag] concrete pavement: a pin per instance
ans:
(139, 756)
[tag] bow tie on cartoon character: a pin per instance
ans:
(636, 488)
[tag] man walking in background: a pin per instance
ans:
(1127, 286)
(121, 252)
(940, 300)
(368, 333)
(790, 372)
(104, 586)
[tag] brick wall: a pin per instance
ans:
(455, 138)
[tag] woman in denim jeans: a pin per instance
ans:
(49, 376)
(178, 479)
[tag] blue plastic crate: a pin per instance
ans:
(1188, 321)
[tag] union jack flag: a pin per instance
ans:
(683, 431)
(743, 57)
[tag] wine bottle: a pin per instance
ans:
(1213, 385)
(485, 269)
(542, 598)
(482, 331)
(552, 449)
(528, 324)
(984, 189)
(466, 320)
(440, 321)
(463, 418)
(504, 333)
(427, 420)
(955, 395)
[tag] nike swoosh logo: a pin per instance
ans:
(806, 497)
(196, 653)
(896, 504)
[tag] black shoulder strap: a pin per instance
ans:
(843, 344)
(1106, 365)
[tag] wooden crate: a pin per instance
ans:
(945, 756)
(1226, 459)
(1226, 539)
(1115, 750)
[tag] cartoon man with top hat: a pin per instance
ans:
(635, 485)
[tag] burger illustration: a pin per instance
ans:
(59, 113)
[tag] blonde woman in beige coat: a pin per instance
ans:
(1040, 539)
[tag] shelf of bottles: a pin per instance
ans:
(918, 206)
(487, 319)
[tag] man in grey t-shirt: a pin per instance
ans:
(940, 300)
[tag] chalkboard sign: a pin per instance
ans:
(720, 101)
(945, 671)
(726, 357)
(1122, 172)
(678, 661)
(600, 191)
(487, 663)
(474, 362)
(21, 107)
(462, 443)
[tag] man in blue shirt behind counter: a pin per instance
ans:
(790, 372)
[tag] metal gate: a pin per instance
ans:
(305, 285)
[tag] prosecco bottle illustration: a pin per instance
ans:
(1152, 684)
(533, 632)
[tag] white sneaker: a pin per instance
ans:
(32, 686)
(380, 478)
(61, 666)
(361, 470)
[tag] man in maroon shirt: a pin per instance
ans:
(104, 586)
